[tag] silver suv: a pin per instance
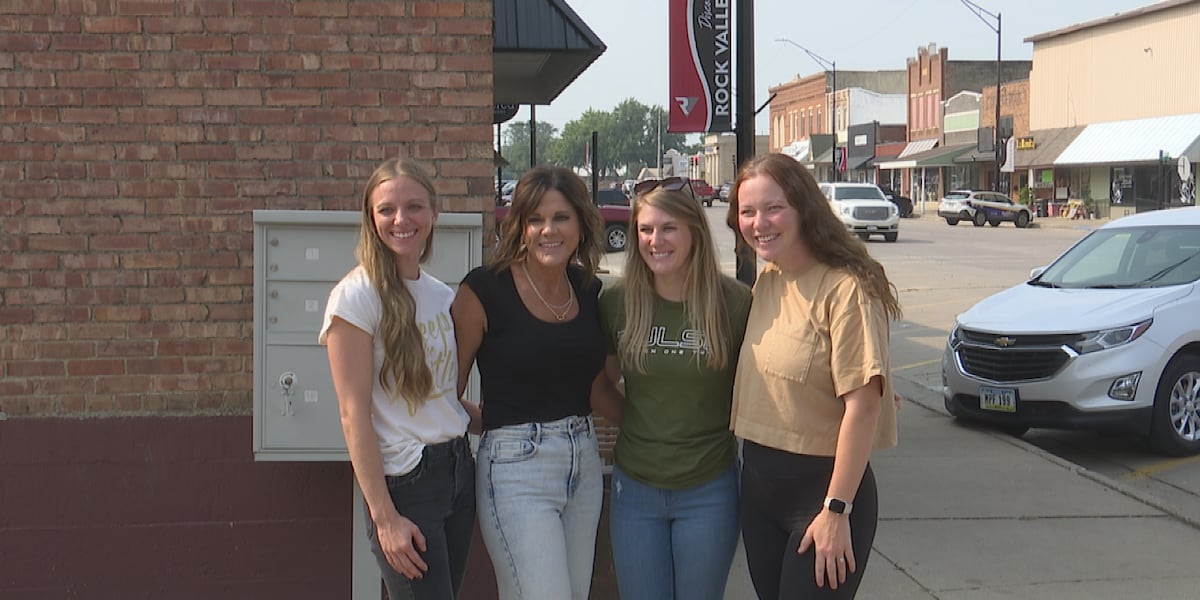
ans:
(981, 207)
(864, 209)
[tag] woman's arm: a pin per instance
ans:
(607, 396)
(350, 361)
(829, 532)
(470, 323)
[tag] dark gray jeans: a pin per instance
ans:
(439, 497)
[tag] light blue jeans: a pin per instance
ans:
(673, 544)
(539, 490)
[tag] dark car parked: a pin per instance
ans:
(903, 203)
(611, 197)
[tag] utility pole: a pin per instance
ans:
(832, 66)
(980, 12)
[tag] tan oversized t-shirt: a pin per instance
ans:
(810, 339)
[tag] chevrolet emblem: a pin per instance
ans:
(1004, 342)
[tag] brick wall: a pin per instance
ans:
(136, 137)
(1014, 102)
(799, 98)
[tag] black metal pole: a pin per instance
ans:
(747, 261)
(595, 174)
(996, 148)
(499, 169)
(532, 136)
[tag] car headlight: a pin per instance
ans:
(1104, 339)
(893, 211)
(955, 336)
(846, 210)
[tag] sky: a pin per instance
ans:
(859, 35)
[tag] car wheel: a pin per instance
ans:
(979, 219)
(615, 237)
(890, 237)
(1013, 430)
(1022, 220)
(708, 202)
(1175, 427)
(906, 211)
(994, 222)
(951, 222)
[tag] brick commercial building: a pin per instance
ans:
(136, 139)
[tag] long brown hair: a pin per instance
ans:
(529, 191)
(820, 230)
(703, 286)
(404, 371)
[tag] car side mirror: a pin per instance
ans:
(889, 196)
(1036, 272)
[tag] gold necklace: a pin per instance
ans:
(553, 308)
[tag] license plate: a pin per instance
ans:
(871, 228)
(998, 399)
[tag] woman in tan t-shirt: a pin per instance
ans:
(813, 395)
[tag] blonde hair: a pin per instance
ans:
(404, 370)
(821, 231)
(527, 195)
(703, 286)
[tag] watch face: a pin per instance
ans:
(837, 506)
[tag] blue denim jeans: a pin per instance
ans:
(438, 495)
(673, 544)
(540, 490)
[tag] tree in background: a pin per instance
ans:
(629, 139)
(515, 146)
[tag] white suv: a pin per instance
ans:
(864, 209)
(1105, 338)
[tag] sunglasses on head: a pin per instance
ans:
(670, 184)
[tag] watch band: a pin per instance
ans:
(838, 506)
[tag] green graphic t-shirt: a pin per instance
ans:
(675, 433)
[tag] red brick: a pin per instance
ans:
(70, 43)
(438, 9)
(324, 8)
(292, 98)
(102, 366)
(51, 350)
(107, 62)
(130, 383)
(173, 25)
(378, 9)
(238, 26)
(111, 25)
(409, 26)
(58, 243)
(112, 97)
(36, 368)
(322, 80)
(48, 61)
(262, 8)
(184, 348)
(120, 313)
(465, 27)
(320, 43)
(10, 315)
(97, 296)
(150, 261)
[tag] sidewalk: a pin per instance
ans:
(970, 514)
(1037, 223)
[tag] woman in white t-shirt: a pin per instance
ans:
(394, 363)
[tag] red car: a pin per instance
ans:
(616, 224)
(703, 192)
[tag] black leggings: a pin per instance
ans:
(781, 494)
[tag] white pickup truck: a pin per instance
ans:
(864, 209)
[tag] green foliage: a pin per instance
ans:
(628, 139)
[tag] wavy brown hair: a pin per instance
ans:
(820, 230)
(703, 286)
(404, 371)
(527, 195)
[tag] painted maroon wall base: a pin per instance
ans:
(166, 507)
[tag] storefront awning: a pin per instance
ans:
(918, 146)
(857, 162)
(1048, 144)
(937, 157)
(976, 155)
(539, 47)
(1136, 141)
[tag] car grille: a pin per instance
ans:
(1009, 358)
(871, 213)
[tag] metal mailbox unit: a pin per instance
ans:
(299, 255)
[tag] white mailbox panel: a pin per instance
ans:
(298, 257)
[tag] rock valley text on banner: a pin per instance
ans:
(701, 64)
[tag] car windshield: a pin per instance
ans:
(1131, 257)
(866, 192)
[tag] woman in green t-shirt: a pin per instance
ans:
(673, 326)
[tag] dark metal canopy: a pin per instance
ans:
(540, 47)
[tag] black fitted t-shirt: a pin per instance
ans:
(530, 370)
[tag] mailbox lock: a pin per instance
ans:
(286, 381)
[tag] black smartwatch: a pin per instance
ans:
(837, 506)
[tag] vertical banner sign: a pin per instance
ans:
(701, 66)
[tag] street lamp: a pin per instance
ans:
(980, 12)
(832, 66)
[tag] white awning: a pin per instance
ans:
(902, 161)
(1137, 141)
(917, 146)
(798, 150)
